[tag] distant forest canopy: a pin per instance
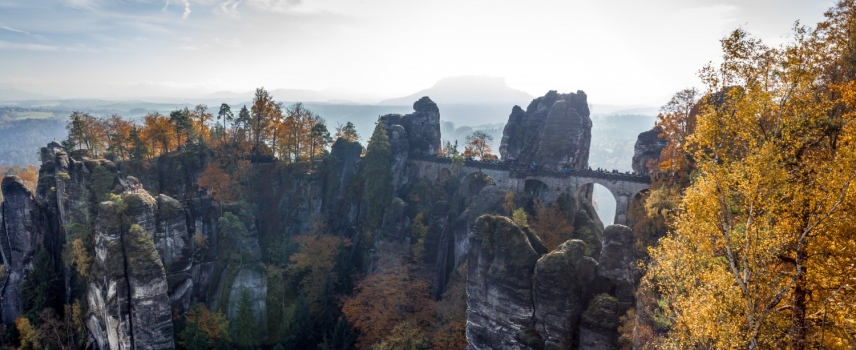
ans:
(26, 126)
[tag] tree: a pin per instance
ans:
(319, 139)
(478, 145)
(347, 132)
(43, 287)
(138, 150)
(233, 229)
(204, 329)
(158, 131)
(225, 115)
(222, 187)
(314, 261)
(378, 176)
(761, 253)
(265, 111)
(118, 135)
(200, 117)
(386, 299)
(300, 332)
(552, 224)
(86, 132)
(244, 333)
(182, 124)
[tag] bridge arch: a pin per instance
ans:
(537, 189)
(474, 182)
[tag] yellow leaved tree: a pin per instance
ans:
(762, 250)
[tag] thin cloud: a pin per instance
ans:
(186, 10)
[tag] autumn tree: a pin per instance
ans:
(761, 252)
(552, 224)
(314, 262)
(159, 133)
(265, 112)
(118, 132)
(385, 300)
(204, 329)
(86, 132)
(378, 176)
(200, 117)
(478, 145)
(138, 149)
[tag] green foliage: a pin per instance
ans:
(43, 287)
(234, 231)
(299, 331)
(417, 232)
(405, 336)
(244, 333)
(378, 176)
(520, 218)
(103, 182)
(138, 146)
(182, 123)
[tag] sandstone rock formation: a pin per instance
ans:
(648, 146)
(563, 299)
(22, 230)
(561, 281)
(554, 130)
(499, 285)
(417, 132)
(130, 306)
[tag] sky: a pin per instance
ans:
(621, 52)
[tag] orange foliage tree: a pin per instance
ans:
(386, 299)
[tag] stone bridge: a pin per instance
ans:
(546, 185)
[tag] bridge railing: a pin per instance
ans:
(519, 171)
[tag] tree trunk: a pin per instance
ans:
(798, 329)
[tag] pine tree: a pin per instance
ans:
(300, 332)
(138, 146)
(193, 337)
(378, 175)
(244, 333)
(43, 287)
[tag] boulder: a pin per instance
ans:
(648, 147)
(599, 325)
(499, 285)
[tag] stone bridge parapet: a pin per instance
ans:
(548, 185)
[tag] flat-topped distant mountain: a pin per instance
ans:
(470, 90)
(21, 95)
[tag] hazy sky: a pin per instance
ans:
(619, 52)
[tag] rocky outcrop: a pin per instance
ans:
(396, 223)
(555, 131)
(564, 299)
(417, 132)
(129, 304)
(561, 282)
(499, 285)
(439, 247)
(175, 247)
(616, 263)
(598, 329)
(648, 146)
(340, 204)
(22, 231)
(253, 281)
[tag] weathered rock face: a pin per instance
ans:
(439, 247)
(342, 166)
(175, 247)
(22, 230)
(648, 146)
(566, 299)
(598, 329)
(561, 281)
(129, 303)
(554, 130)
(396, 223)
(499, 285)
(253, 281)
(418, 132)
(616, 263)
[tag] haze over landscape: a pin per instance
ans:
(619, 52)
(415, 175)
